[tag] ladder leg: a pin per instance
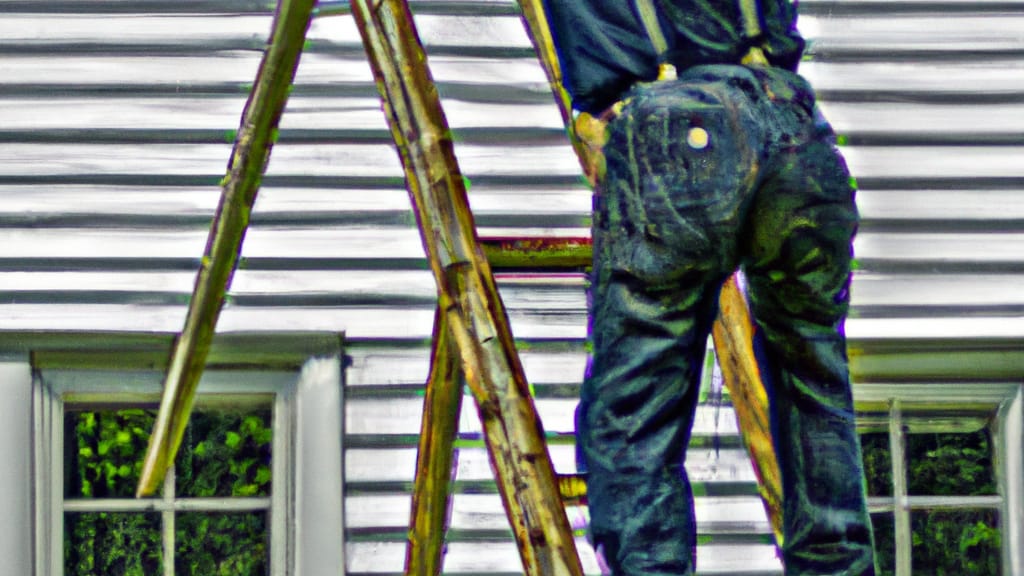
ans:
(466, 289)
(733, 333)
(435, 460)
(249, 158)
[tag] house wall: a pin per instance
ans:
(116, 122)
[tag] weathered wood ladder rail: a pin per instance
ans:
(472, 338)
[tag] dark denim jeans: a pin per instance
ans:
(725, 167)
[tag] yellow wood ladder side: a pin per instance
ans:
(468, 298)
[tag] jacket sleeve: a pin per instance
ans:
(602, 48)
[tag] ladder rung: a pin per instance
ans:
(573, 488)
(531, 253)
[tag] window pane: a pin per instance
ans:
(953, 543)
(885, 542)
(112, 544)
(226, 453)
(104, 450)
(950, 464)
(210, 544)
(877, 463)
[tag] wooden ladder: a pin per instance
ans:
(472, 339)
(471, 336)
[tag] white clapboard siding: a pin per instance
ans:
(117, 117)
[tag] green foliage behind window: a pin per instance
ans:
(112, 543)
(210, 544)
(956, 543)
(950, 464)
(877, 463)
(945, 543)
(225, 454)
(103, 452)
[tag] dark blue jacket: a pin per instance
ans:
(604, 48)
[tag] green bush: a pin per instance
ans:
(944, 542)
(112, 543)
(220, 544)
(955, 543)
(224, 454)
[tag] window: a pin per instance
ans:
(938, 489)
(244, 497)
(213, 514)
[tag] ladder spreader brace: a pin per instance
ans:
(470, 322)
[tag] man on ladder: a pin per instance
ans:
(714, 158)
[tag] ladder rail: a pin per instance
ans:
(732, 331)
(467, 293)
(436, 457)
(249, 157)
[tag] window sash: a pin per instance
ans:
(953, 408)
(57, 390)
(1008, 441)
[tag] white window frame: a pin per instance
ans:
(1009, 447)
(16, 473)
(907, 410)
(305, 505)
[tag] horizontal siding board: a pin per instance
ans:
(375, 365)
(366, 466)
(365, 161)
(827, 35)
(236, 69)
(501, 558)
(957, 330)
(340, 161)
(930, 163)
(406, 322)
(358, 119)
(113, 243)
(365, 322)
(949, 80)
(28, 30)
(845, 8)
(913, 34)
(926, 122)
(948, 207)
(484, 512)
(326, 7)
(399, 243)
(862, 8)
(401, 416)
(906, 306)
(186, 202)
(292, 287)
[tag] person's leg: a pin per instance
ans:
(663, 243)
(799, 258)
(635, 416)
